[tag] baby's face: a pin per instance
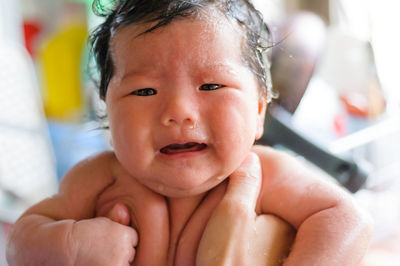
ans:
(184, 110)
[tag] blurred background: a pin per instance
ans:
(334, 64)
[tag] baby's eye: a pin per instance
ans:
(210, 87)
(145, 92)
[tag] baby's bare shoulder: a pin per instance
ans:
(101, 159)
(292, 190)
(281, 169)
(276, 161)
(271, 154)
(90, 175)
(79, 189)
(96, 164)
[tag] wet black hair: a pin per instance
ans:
(121, 13)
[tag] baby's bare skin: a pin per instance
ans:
(270, 245)
(175, 227)
(169, 229)
(183, 122)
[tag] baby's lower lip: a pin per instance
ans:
(177, 149)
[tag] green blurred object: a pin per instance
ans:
(104, 3)
(88, 2)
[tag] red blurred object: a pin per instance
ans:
(356, 104)
(31, 31)
(340, 125)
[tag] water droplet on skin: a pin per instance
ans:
(193, 126)
(254, 229)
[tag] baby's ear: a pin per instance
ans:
(262, 107)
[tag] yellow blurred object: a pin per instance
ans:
(60, 60)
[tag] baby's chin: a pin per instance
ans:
(180, 191)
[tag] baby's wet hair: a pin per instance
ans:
(121, 13)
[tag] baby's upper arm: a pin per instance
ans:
(79, 189)
(292, 191)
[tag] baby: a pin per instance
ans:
(186, 88)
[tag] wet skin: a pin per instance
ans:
(152, 215)
(184, 112)
(198, 90)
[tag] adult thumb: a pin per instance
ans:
(245, 182)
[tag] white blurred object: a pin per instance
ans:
(10, 21)
(382, 199)
(347, 64)
(352, 17)
(375, 21)
(376, 132)
(27, 171)
(272, 10)
(386, 21)
(317, 110)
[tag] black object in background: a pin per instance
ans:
(279, 131)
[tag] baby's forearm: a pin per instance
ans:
(39, 240)
(336, 236)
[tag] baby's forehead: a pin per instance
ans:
(211, 16)
(195, 45)
(194, 38)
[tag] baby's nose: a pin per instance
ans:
(180, 110)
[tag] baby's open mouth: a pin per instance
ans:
(181, 148)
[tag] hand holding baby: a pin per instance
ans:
(235, 234)
(104, 242)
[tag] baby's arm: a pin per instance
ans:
(61, 230)
(332, 229)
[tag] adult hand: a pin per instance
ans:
(101, 241)
(235, 235)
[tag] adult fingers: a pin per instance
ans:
(228, 233)
(119, 213)
(272, 240)
(245, 183)
(125, 249)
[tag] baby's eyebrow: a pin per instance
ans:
(224, 67)
(143, 72)
(227, 68)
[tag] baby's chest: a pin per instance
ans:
(179, 251)
(161, 242)
(182, 244)
(148, 216)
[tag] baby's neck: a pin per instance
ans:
(188, 218)
(180, 211)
